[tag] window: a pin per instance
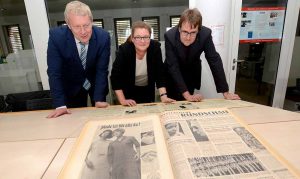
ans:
(154, 23)
(122, 29)
(96, 22)
(59, 23)
(174, 20)
(14, 38)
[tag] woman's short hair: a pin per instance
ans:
(192, 16)
(108, 136)
(121, 130)
(77, 8)
(139, 24)
(142, 25)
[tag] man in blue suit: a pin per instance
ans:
(78, 57)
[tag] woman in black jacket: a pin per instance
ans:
(138, 68)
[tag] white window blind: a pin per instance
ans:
(96, 22)
(174, 20)
(122, 30)
(13, 32)
(154, 23)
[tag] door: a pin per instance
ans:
(292, 95)
(260, 50)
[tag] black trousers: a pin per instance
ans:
(141, 94)
(80, 99)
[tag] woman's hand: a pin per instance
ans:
(128, 102)
(192, 98)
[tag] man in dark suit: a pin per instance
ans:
(78, 57)
(184, 44)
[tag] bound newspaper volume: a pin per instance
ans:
(208, 143)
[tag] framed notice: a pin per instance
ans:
(261, 24)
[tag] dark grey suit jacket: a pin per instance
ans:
(184, 63)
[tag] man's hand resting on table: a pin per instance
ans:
(231, 96)
(59, 112)
(100, 104)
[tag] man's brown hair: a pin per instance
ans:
(192, 16)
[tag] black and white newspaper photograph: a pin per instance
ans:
(123, 150)
(216, 145)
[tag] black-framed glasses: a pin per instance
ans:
(186, 33)
(138, 38)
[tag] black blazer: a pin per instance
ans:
(184, 63)
(123, 70)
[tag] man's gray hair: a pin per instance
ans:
(77, 8)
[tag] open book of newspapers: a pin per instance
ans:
(202, 143)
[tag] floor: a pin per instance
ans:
(250, 90)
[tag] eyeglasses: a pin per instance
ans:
(186, 33)
(84, 27)
(138, 38)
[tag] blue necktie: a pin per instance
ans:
(83, 53)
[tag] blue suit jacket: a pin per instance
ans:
(65, 71)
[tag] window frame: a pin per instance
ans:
(10, 47)
(116, 29)
(172, 17)
(158, 25)
(59, 23)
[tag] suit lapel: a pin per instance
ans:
(72, 46)
(132, 62)
(150, 61)
(91, 50)
(179, 46)
(194, 48)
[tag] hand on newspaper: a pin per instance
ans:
(59, 112)
(128, 102)
(192, 98)
(166, 99)
(231, 96)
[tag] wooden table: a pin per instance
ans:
(32, 146)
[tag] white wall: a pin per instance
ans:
(39, 27)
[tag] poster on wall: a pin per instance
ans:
(261, 24)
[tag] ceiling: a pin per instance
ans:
(17, 7)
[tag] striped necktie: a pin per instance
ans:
(83, 53)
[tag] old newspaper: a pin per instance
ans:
(201, 143)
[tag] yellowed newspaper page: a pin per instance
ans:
(127, 148)
(211, 143)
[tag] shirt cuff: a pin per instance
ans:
(61, 107)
